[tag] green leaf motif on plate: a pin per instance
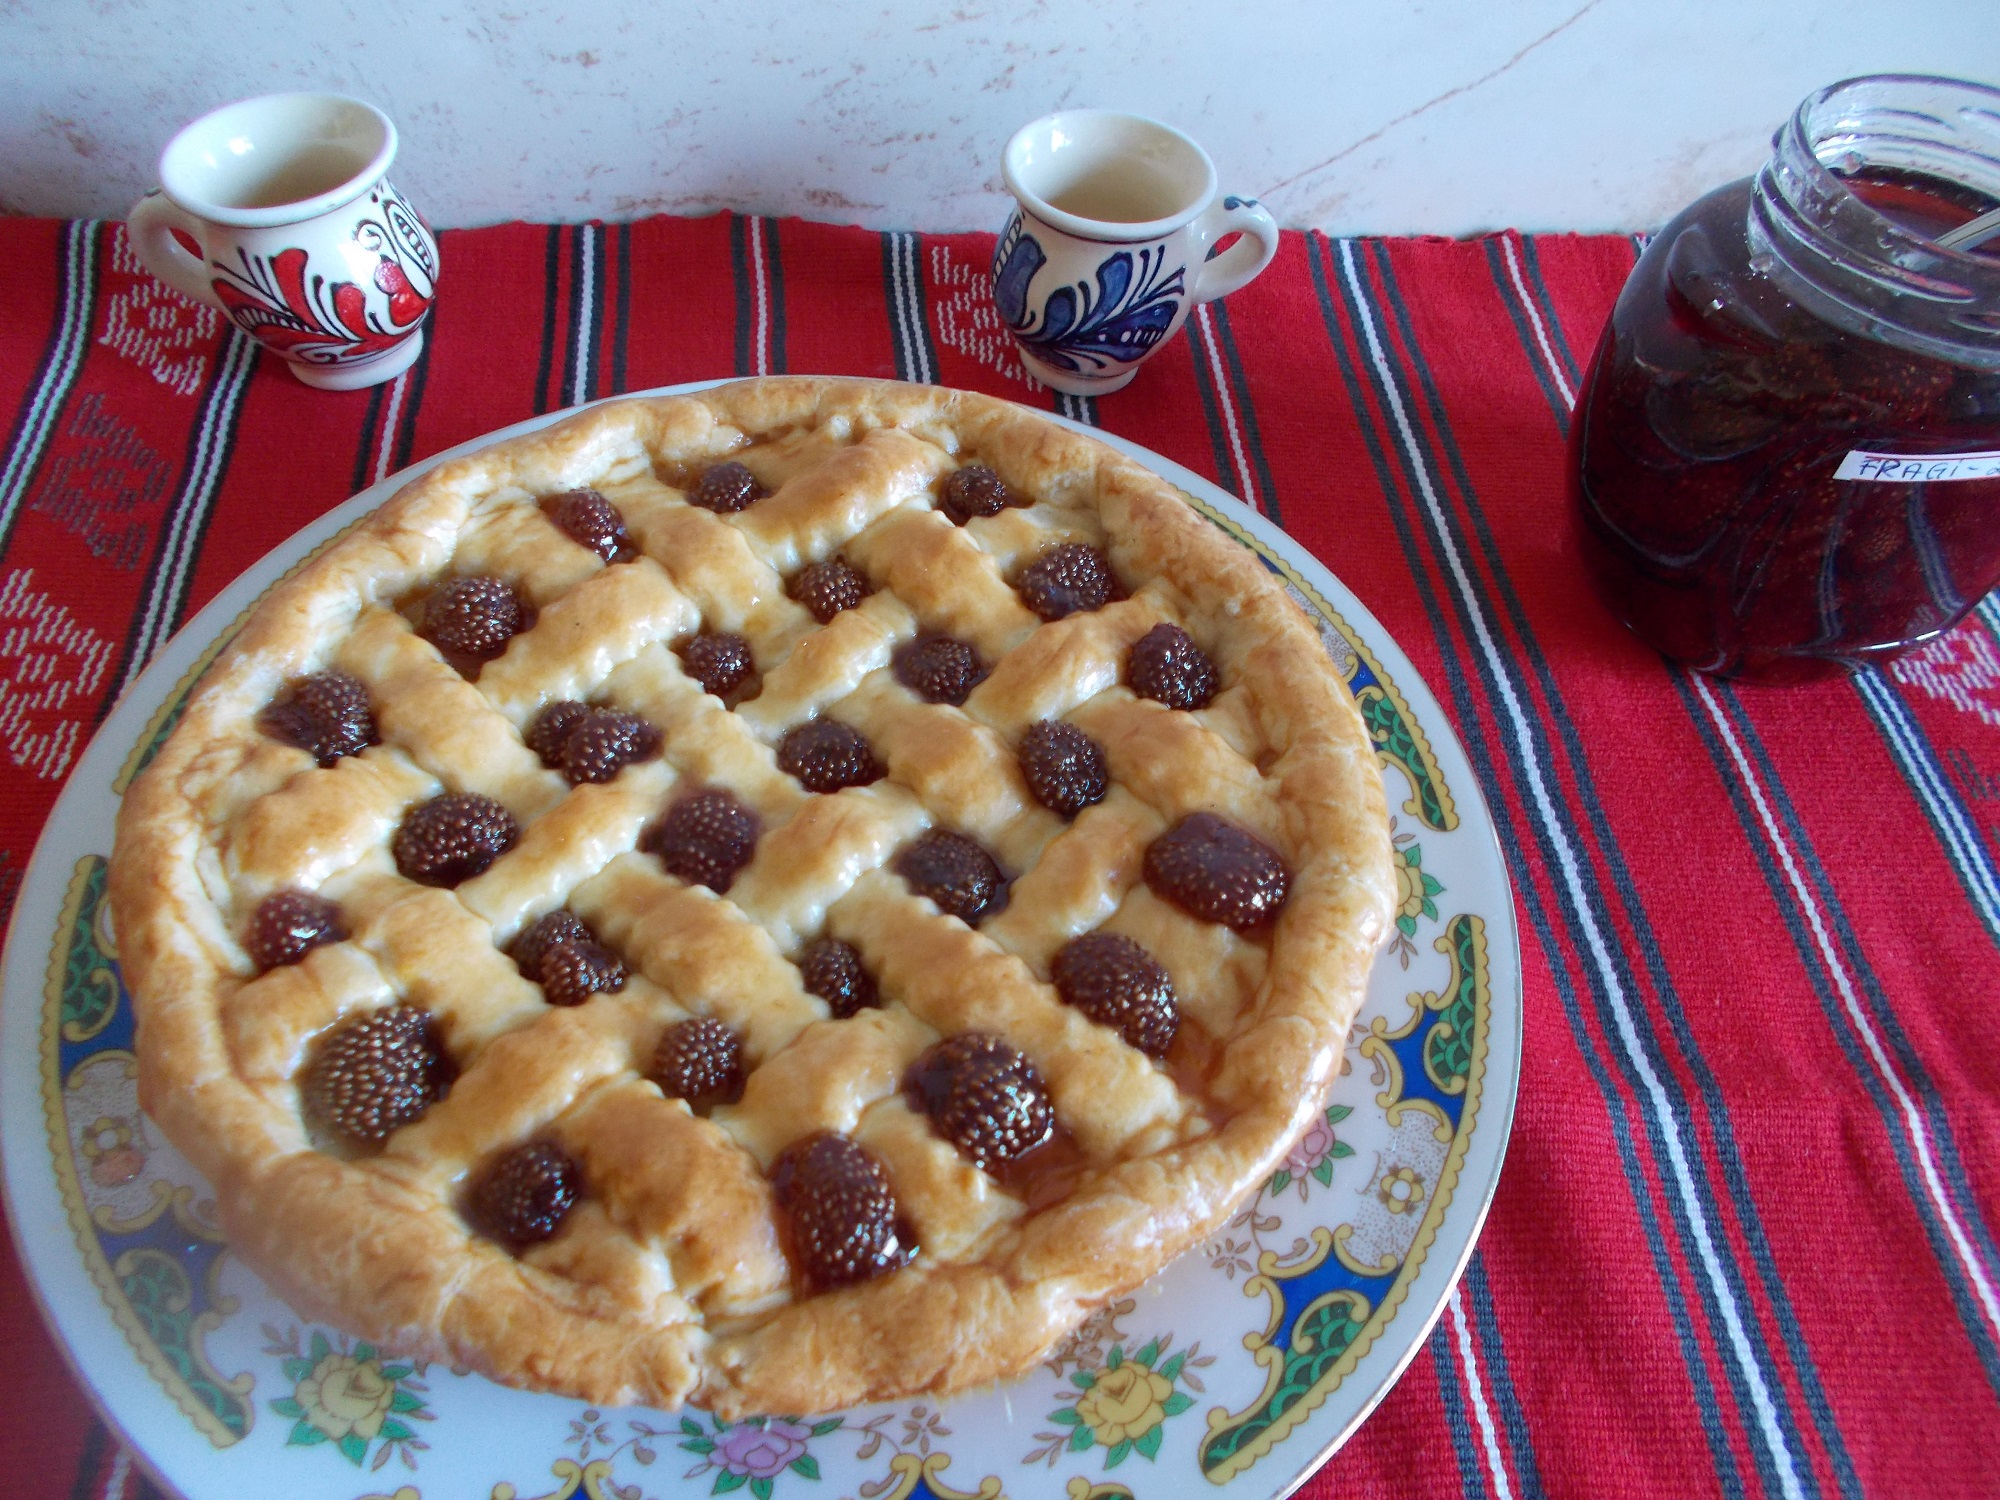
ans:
(1448, 1044)
(161, 1295)
(1319, 1339)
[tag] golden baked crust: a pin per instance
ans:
(669, 1283)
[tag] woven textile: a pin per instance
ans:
(1746, 1238)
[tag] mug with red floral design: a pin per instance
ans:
(278, 211)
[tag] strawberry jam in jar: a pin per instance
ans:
(1786, 460)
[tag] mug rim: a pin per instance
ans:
(1112, 231)
(172, 173)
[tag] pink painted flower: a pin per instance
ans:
(1311, 1149)
(762, 1451)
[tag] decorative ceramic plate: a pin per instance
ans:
(1242, 1365)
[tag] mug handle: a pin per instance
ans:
(150, 227)
(1240, 263)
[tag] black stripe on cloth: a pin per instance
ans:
(1211, 410)
(1462, 532)
(920, 307)
(576, 341)
(1077, 408)
(775, 285)
(774, 282)
(211, 441)
(746, 294)
(364, 449)
(1510, 299)
(1246, 413)
(1954, 823)
(1461, 665)
(1451, 1396)
(1484, 1319)
(590, 338)
(90, 1466)
(55, 375)
(1797, 903)
(893, 301)
(622, 327)
(551, 283)
(406, 419)
(1531, 265)
(1546, 342)
(902, 280)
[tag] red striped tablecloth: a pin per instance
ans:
(1744, 1243)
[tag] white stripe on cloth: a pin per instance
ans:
(1667, 1119)
(1914, 1126)
(586, 312)
(763, 338)
(1249, 496)
(72, 333)
(168, 586)
(1535, 317)
(1476, 1389)
(1946, 807)
(386, 433)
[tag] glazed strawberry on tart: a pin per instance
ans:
(772, 898)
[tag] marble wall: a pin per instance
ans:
(1443, 116)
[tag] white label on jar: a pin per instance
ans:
(1917, 468)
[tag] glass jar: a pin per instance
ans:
(1786, 460)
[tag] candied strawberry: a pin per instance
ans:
(984, 1097)
(573, 971)
(453, 837)
(826, 755)
(289, 924)
(720, 663)
(522, 1196)
(826, 588)
(549, 731)
(1064, 767)
(558, 926)
(373, 1074)
(974, 491)
(955, 873)
(473, 617)
(1168, 667)
(844, 1220)
(939, 669)
(705, 839)
(591, 521)
(701, 1061)
(832, 970)
(605, 741)
(327, 714)
(1118, 984)
(726, 487)
(289, 724)
(1068, 579)
(1214, 870)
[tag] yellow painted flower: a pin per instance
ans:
(1402, 1191)
(344, 1394)
(1414, 889)
(1409, 886)
(1125, 1404)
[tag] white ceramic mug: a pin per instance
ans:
(302, 240)
(1108, 251)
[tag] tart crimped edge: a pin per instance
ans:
(361, 1250)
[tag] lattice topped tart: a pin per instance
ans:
(776, 898)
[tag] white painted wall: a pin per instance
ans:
(1380, 116)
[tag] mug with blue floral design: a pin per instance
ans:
(1113, 244)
